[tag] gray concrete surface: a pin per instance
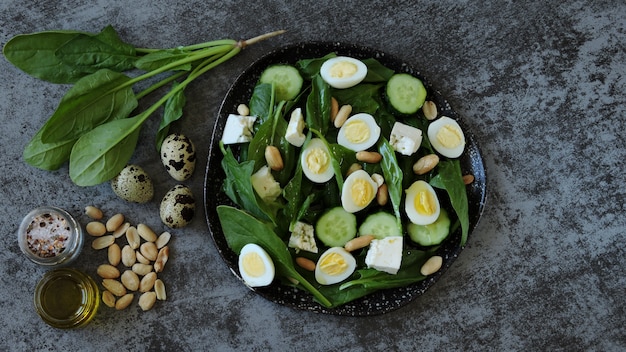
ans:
(540, 83)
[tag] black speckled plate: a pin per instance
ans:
(378, 302)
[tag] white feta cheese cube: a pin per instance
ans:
(238, 129)
(265, 185)
(294, 133)
(405, 139)
(303, 237)
(385, 254)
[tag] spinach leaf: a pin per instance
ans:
(35, 55)
(376, 72)
(241, 228)
(238, 187)
(47, 156)
(95, 99)
(102, 153)
(450, 179)
(172, 111)
(262, 102)
(393, 176)
(311, 67)
(363, 97)
(318, 105)
(93, 52)
(366, 281)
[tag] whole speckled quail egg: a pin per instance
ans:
(133, 184)
(178, 155)
(177, 207)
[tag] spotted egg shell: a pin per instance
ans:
(177, 207)
(178, 155)
(133, 184)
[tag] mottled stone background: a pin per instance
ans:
(540, 84)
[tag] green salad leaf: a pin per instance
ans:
(450, 179)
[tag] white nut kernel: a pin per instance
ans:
(114, 222)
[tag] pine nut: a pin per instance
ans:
(369, 157)
(358, 242)
(432, 265)
(243, 110)
(382, 195)
(425, 164)
(334, 109)
(342, 115)
(305, 263)
(273, 158)
(430, 110)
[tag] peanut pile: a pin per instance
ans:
(133, 268)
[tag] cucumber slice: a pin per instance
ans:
(336, 227)
(380, 225)
(430, 235)
(286, 79)
(405, 93)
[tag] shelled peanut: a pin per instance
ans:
(132, 267)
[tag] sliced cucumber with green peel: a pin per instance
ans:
(336, 227)
(405, 93)
(433, 234)
(380, 225)
(286, 79)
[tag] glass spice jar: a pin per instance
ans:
(67, 298)
(50, 236)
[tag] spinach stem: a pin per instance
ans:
(159, 84)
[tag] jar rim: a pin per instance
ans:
(72, 247)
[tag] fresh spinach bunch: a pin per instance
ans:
(268, 224)
(91, 127)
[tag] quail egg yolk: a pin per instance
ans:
(425, 203)
(343, 69)
(357, 131)
(333, 264)
(361, 192)
(317, 160)
(449, 136)
(253, 264)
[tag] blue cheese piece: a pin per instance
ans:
(238, 129)
(385, 254)
(265, 185)
(405, 139)
(303, 237)
(294, 133)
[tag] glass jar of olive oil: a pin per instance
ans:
(67, 298)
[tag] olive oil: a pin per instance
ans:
(67, 298)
